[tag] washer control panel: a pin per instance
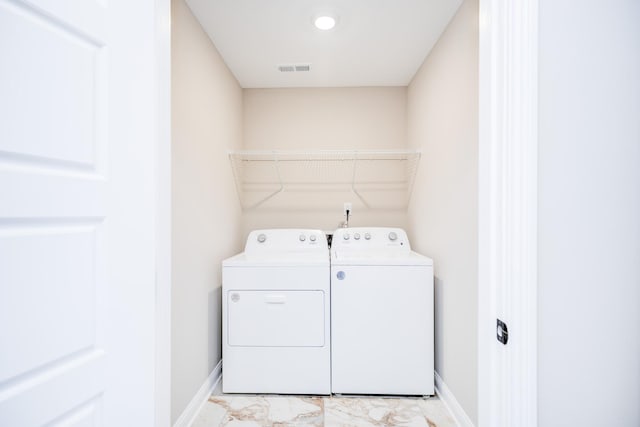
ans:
(371, 238)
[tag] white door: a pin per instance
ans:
(77, 217)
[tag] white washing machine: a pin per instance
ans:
(276, 314)
(381, 314)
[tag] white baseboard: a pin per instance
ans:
(193, 408)
(452, 404)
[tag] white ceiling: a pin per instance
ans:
(375, 43)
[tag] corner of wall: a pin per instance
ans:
(442, 122)
(206, 124)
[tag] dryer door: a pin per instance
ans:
(275, 318)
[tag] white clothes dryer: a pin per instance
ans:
(381, 314)
(276, 314)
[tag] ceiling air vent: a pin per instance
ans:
(290, 68)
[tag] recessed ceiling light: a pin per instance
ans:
(325, 22)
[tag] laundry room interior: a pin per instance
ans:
(400, 146)
(411, 152)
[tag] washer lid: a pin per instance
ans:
(371, 239)
(374, 246)
(381, 258)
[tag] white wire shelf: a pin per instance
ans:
(320, 179)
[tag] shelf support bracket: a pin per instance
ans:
(276, 166)
(353, 181)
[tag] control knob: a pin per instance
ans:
(262, 238)
(393, 236)
(302, 238)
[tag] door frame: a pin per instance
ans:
(507, 222)
(508, 103)
(162, 162)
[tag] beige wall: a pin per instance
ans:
(443, 215)
(323, 119)
(206, 122)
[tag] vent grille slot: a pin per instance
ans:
(294, 68)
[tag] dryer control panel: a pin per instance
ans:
(374, 239)
(286, 240)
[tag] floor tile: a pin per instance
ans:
(370, 412)
(270, 411)
(225, 410)
(211, 415)
(435, 411)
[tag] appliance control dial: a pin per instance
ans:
(393, 236)
(262, 238)
(367, 236)
(312, 238)
(356, 236)
(302, 238)
(346, 236)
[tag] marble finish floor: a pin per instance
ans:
(298, 411)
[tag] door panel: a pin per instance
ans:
(51, 66)
(46, 266)
(76, 213)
